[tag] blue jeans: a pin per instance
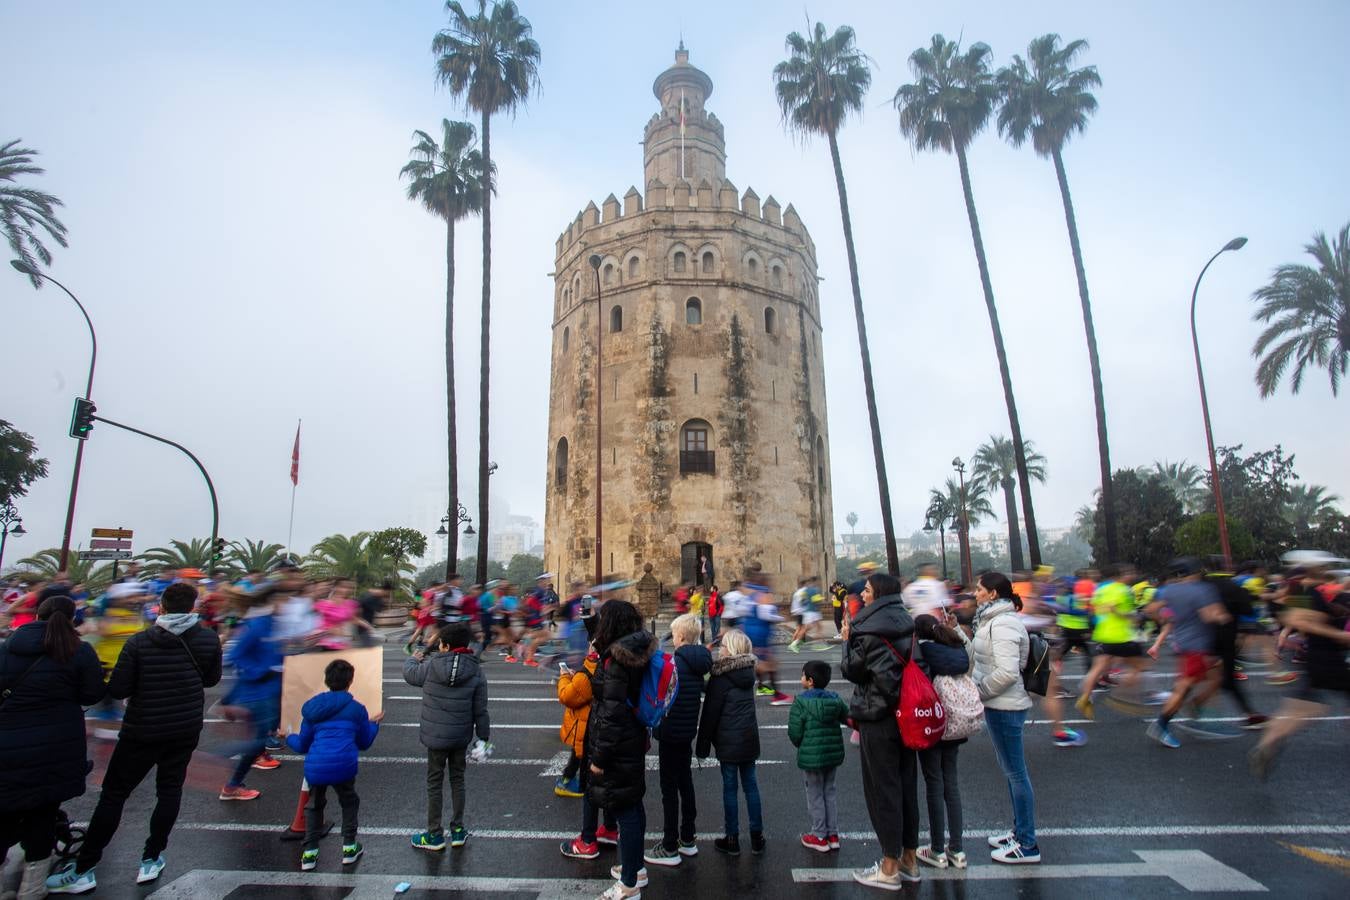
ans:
(632, 830)
(746, 773)
(265, 714)
(1005, 733)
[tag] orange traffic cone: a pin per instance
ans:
(296, 830)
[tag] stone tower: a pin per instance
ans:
(714, 438)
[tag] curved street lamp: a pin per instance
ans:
(1236, 243)
(462, 517)
(35, 272)
(9, 516)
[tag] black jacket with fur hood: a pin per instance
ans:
(728, 723)
(616, 739)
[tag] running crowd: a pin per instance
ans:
(930, 666)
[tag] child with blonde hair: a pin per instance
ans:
(728, 725)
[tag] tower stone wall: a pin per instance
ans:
(713, 435)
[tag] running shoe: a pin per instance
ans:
(429, 840)
(872, 876)
(818, 844)
(998, 840)
(509, 658)
(266, 762)
(781, 699)
(608, 836)
(1014, 854)
(149, 870)
(795, 646)
(834, 842)
(1255, 722)
(67, 882)
(1062, 694)
(658, 855)
(239, 793)
(576, 848)
(957, 859)
(930, 857)
(1069, 738)
(309, 860)
(459, 836)
(1084, 704)
(1281, 679)
(617, 891)
(616, 872)
(273, 743)
(1239, 676)
(532, 663)
(765, 691)
(568, 788)
(1163, 735)
(352, 852)
(855, 738)
(688, 848)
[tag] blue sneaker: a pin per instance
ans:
(429, 840)
(150, 869)
(67, 881)
(1163, 735)
(459, 837)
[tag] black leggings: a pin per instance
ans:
(890, 786)
(34, 828)
(1226, 645)
(944, 794)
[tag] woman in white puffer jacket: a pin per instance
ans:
(1000, 647)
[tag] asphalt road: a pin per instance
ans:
(1119, 817)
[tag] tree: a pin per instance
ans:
(25, 212)
(1308, 507)
(523, 569)
(1148, 515)
(950, 101)
(1308, 311)
(398, 545)
(1332, 534)
(19, 463)
(1185, 480)
(447, 178)
(1082, 523)
(995, 465)
(490, 60)
(354, 557)
(1256, 490)
(852, 520)
(819, 85)
(1067, 554)
(1199, 537)
(193, 554)
(255, 556)
(46, 563)
(1045, 98)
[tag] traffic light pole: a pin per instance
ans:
(215, 508)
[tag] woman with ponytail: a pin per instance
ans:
(47, 676)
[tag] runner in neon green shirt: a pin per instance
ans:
(1114, 632)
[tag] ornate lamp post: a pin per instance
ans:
(462, 518)
(10, 523)
(960, 468)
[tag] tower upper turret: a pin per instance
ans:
(694, 149)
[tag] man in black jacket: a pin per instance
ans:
(163, 673)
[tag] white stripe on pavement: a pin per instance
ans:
(216, 883)
(1194, 870)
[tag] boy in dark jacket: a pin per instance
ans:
(334, 731)
(454, 708)
(728, 724)
(813, 728)
(676, 735)
(162, 673)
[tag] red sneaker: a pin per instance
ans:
(532, 663)
(266, 762)
(605, 835)
(820, 845)
(510, 658)
(576, 848)
(781, 699)
(834, 842)
(239, 793)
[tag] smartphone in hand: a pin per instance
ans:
(564, 668)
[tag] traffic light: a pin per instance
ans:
(82, 419)
(218, 552)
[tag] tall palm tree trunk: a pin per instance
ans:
(883, 486)
(1033, 544)
(480, 575)
(1094, 363)
(452, 446)
(1014, 533)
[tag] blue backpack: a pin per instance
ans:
(660, 683)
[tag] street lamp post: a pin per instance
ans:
(462, 516)
(1236, 243)
(9, 516)
(964, 525)
(941, 529)
(34, 272)
(595, 261)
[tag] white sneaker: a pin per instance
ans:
(930, 857)
(617, 891)
(998, 840)
(150, 869)
(1013, 854)
(872, 876)
(616, 872)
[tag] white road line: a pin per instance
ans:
(216, 883)
(1194, 870)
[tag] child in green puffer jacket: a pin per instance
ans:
(813, 728)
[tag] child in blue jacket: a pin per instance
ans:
(335, 729)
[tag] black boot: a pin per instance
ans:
(730, 845)
(756, 842)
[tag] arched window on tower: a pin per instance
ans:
(707, 262)
(679, 260)
(609, 273)
(778, 276)
(567, 298)
(769, 319)
(560, 465)
(696, 457)
(567, 334)
(693, 311)
(632, 267)
(753, 267)
(616, 319)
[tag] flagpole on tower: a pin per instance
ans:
(295, 481)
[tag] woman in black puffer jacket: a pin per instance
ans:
(48, 674)
(876, 648)
(616, 740)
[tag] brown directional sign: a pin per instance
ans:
(111, 533)
(109, 544)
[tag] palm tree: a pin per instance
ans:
(1308, 311)
(950, 101)
(46, 563)
(1084, 524)
(25, 211)
(945, 505)
(255, 556)
(818, 86)
(193, 554)
(1048, 99)
(1185, 480)
(995, 465)
(447, 178)
(490, 60)
(1308, 505)
(852, 520)
(354, 557)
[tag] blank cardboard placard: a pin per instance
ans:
(302, 678)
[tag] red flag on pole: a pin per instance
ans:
(295, 457)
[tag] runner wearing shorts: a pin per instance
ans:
(1192, 612)
(1113, 604)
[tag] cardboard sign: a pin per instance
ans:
(302, 678)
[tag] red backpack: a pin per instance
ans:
(919, 714)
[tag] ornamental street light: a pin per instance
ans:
(10, 523)
(941, 529)
(35, 272)
(462, 517)
(1236, 243)
(960, 468)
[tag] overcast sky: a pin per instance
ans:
(241, 239)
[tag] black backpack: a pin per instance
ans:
(1036, 673)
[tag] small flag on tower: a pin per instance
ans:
(295, 457)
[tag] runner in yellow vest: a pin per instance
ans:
(1114, 633)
